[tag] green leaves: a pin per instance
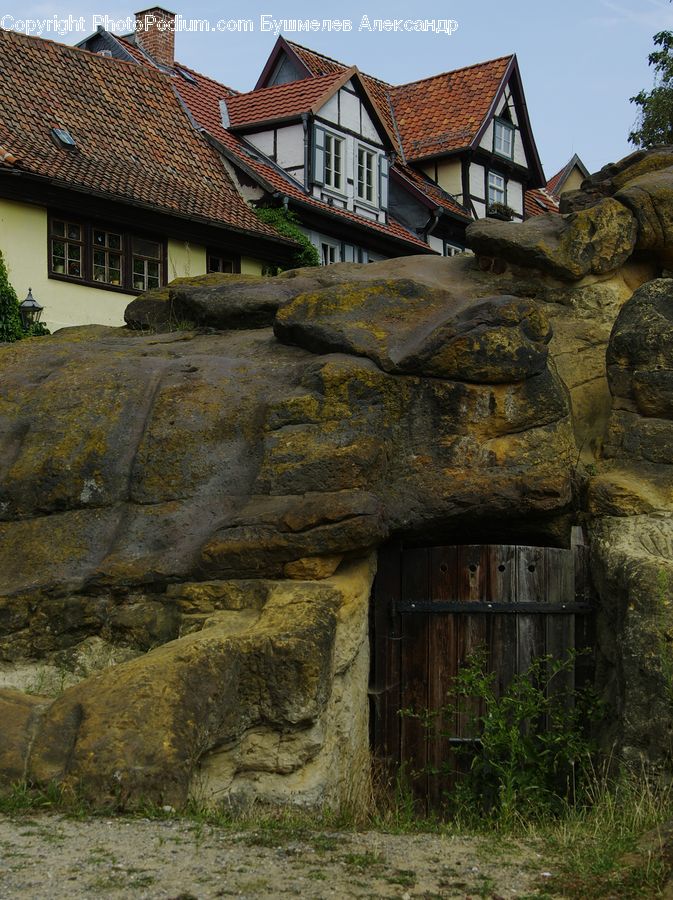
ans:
(287, 223)
(532, 740)
(10, 319)
(655, 117)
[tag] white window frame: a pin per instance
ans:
(452, 249)
(330, 252)
(503, 138)
(496, 183)
(335, 175)
(371, 170)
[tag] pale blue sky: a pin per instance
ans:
(580, 59)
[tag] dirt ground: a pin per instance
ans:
(51, 857)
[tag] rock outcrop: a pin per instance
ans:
(190, 507)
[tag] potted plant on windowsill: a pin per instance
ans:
(500, 211)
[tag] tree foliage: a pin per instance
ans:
(655, 116)
(287, 223)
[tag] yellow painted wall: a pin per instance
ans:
(574, 181)
(250, 266)
(23, 242)
(185, 259)
(449, 176)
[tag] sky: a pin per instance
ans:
(580, 60)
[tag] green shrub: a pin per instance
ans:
(11, 328)
(10, 318)
(287, 223)
(532, 744)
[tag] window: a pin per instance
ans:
(330, 253)
(496, 189)
(366, 175)
(107, 257)
(104, 256)
(223, 262)
(503, 139)
(452, 249)
(67, 248)
(334, 161)
(146, 257)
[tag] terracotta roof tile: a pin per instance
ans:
(539, 201)
(433, 115)
(433, 191)
(203, 100)
(445, 112)
(318, 65)
(281, 101)
(133, 139)
(7, 158)
(553, 182)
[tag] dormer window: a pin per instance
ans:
(63, 138)
(503, 139)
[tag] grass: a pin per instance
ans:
(614, 844)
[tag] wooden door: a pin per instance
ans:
(435, 606)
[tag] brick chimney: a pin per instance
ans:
(155, 32)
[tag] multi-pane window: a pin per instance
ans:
(496, 188)
(366, 175)
(67, 248)
(221, 262)
(334, 162)
(104, 256)
(107, 256)
(146, 261)
(503, 139)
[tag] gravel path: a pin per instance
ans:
(53, 858)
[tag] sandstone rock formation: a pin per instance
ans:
(190, 507)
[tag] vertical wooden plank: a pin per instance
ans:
(585, 625)
(442, 671)
(503, 631)
(472, 572)
(414, 670)
(385, 689)
(560, 629)
(530, 588)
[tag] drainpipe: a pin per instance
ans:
(432, 223)
(307, 147)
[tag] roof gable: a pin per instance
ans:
(557, 182)
(288, 101)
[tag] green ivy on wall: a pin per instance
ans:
(287, 224)
(11, 328)
(10, 318)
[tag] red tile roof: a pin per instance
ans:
(432, 191)
(553, 182)
(434, 115)
(203, 97)
(318, 64)
(539, 201)
(284, 101)
(444, 113)
(133, 140)
(7, 158)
